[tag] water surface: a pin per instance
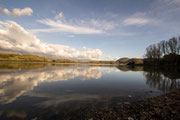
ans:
(31, 91)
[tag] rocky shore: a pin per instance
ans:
(165, 107)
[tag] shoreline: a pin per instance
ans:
(163, 107)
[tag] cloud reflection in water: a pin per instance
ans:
(15, 84)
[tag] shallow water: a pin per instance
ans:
(31, 91)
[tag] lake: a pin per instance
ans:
(54, 91)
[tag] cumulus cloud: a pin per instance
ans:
(116, 58)
(75, 26)
(108, 56)
(17, 11)
(15, 38)
(108, 71)
(85, 48)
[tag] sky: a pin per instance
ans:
(87, 29)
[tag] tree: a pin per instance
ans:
(173, 45)
(159, 52)
(149, 52)
(156, 51)
(178, 48)
(163, 47)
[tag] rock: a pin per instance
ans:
(129, 96)
(127, 103)
(130, 118)
(35, 118)
(119, 103)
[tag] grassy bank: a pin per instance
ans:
(20, 57)
(11, 57)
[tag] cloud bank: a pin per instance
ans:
(13, 37)
(17, 12)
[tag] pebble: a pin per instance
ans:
(127, 103)
(119, 103)
(130, 118)
(34, 118)
(129, 96)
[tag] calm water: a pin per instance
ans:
(31, 91)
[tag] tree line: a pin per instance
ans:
(157, 51)
(163, 51)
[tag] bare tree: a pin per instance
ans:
(159, 52)
(178, 47)
(167, 47)
(156, 51)
(149, 52)
(173, 43)
(153, 52)
(163, 47)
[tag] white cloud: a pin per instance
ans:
(107, 71)
(15, 38)
(170, 2)
(59, 16)
(71, 36)
(98, 24)
(85, 48)
(169, 7)
(75, 26)
(136, 21)
(116, 58)
(140, 19)
(108, 57)
(60, 26)
(17, 12)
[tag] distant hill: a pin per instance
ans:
(8, 56)
(4, 56)
(129, 61)
(123, 60)
(20, 57)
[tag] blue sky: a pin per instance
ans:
(88, 29)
